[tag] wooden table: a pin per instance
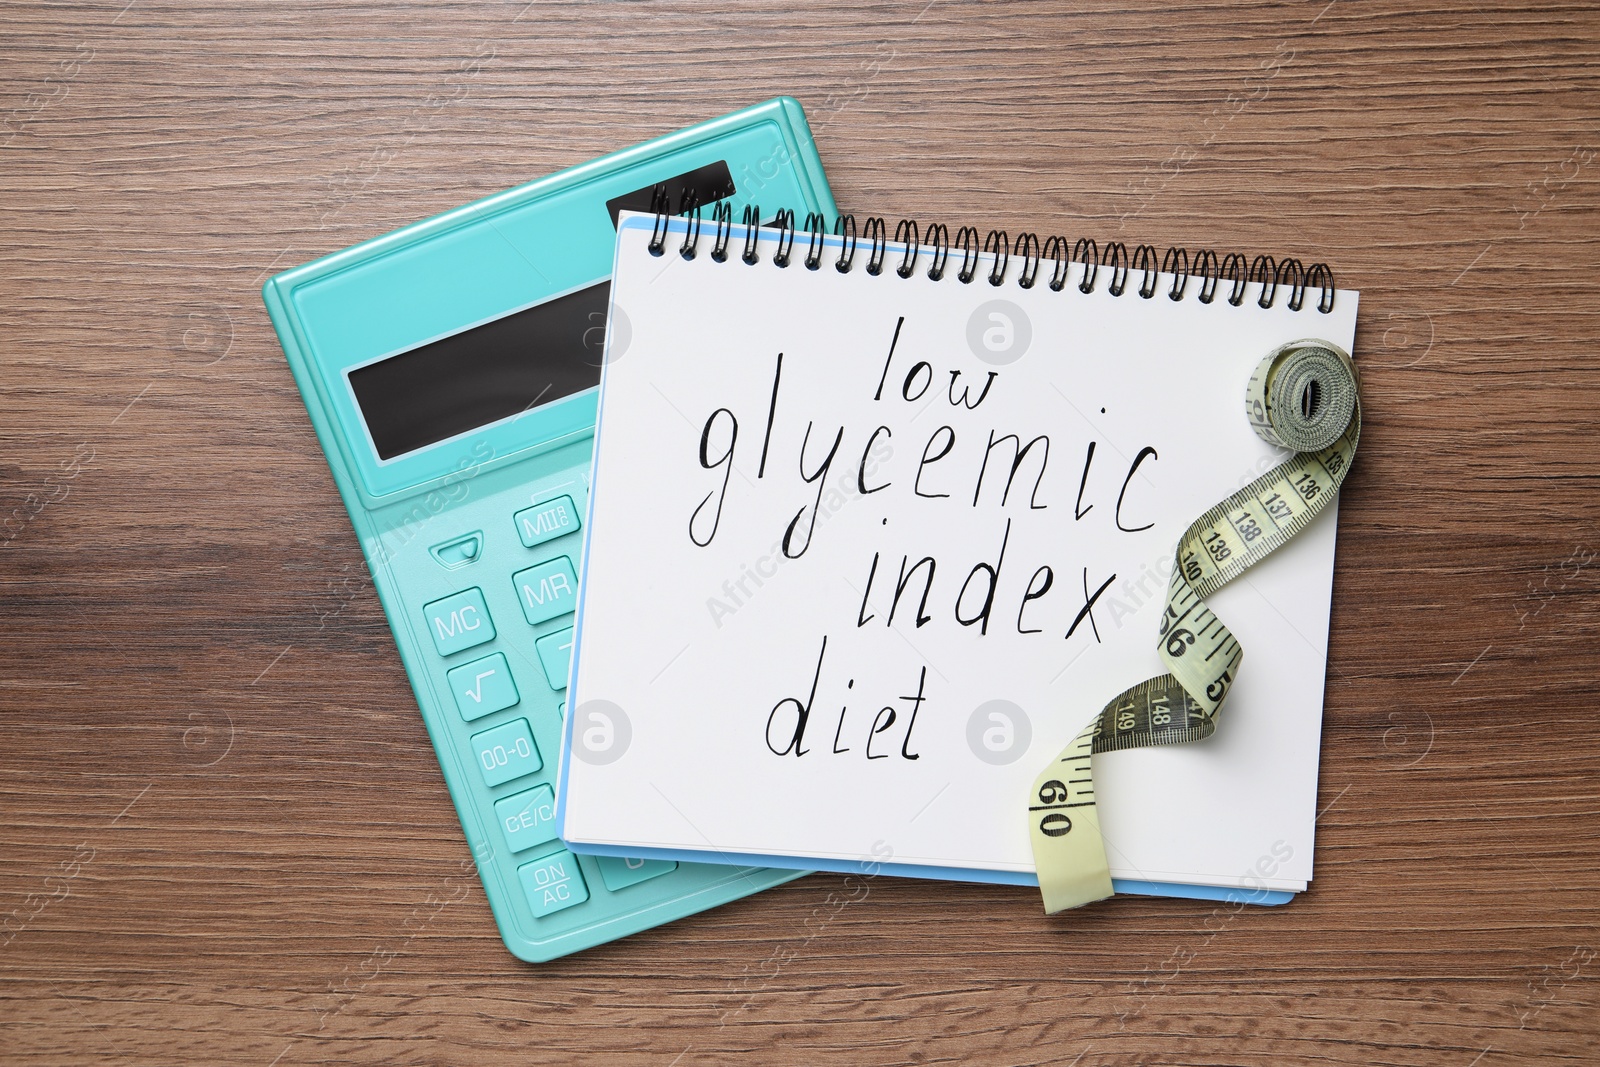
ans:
(224, 836)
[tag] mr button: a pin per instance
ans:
(548, 590)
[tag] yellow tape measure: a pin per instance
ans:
(1303, 396)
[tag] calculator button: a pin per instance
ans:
(527, 819)
(553, 883)
(548, 590)
(458, 622)
(482, 686)
(459, 551)
(618, 872)
(506, 752)
(555, 656)
(546, 521)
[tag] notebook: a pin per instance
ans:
(878, 525)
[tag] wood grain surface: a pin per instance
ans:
(224, 837)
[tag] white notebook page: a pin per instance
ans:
(736, 580)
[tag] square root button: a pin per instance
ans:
(553, 883)
(458, 622)
(482, 686)
(546, 591)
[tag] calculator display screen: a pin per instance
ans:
(702, 186)
(485, 374)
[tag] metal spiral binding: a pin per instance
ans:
(814, 226)
(722, 217)
(691, 236)
(1211, 270)
(1027, 249)
(967, 241)
(845, 228)
(905, 233)
(939, 237)
(658, 230)
(785, 224)
(878, 234)
(1144, 259)
(997, 244)
(752, 234)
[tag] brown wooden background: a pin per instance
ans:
(224, 838)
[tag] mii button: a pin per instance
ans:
(548, 590)
(459, 622)
(547, 521)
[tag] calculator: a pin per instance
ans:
(450, 370)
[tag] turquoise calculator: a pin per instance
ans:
(450, 370)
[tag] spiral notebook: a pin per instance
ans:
(879, 523)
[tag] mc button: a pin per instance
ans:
(459, 622)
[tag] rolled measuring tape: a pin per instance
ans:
(1304, 397)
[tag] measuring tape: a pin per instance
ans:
(1303, 397)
